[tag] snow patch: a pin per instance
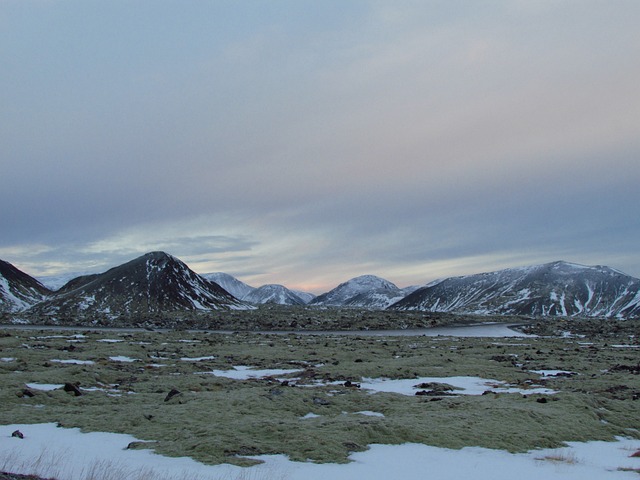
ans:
(462, 385)
(69, 454)
(244, 373)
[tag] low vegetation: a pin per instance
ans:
(158, 386)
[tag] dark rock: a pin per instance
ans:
(72, 388)
(26, 393)
(501, 358)
(541, 400)
(172, 394)
(243, 451)
(321, 401)
(443, 387)
(633, 369)
(139, 445)
(17, 434)
(353, 446)
(350, 384)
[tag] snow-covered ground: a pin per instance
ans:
(68, 454)
(462, 385)
(242, 372)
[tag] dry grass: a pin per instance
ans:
(565, 457)
(51, 467)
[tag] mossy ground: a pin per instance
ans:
(216, 419)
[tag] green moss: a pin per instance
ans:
(217, 419)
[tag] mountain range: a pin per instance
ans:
(158, 282)
(266, 294)
(153, 283)
(548, 290)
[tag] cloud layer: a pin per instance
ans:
(308, 142)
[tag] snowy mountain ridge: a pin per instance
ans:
(153, 283)
(19, 291)
(365, 291)
(231, 284)
(273, 294)
(158, 282)
(552, 289)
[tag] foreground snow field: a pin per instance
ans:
(68, 454)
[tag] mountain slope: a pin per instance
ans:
(552, 289)
(366, 291)
(231, 284)
(19, 291)
(305, 296)
(153, 283)
(272, 293)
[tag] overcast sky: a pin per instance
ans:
(308, 142)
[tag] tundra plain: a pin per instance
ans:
(224, 397)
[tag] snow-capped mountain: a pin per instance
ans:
(410, 289)
(56, 282)
(366, 291)
(552, 289)
(19, 291)
(272, 293)
(231, 284)
(305, 296)
(155, 282)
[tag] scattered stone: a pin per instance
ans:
(633, 369)
(353, 446)
(139, 445)
(25, 392)
(541, 400)
(321, 401)
(72, 388)
(172, 394)
(502, 358)
(17, 434)
(443, 387)
(243, 451)
(350, 384)
(434, 393)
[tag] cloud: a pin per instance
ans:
(305, 146)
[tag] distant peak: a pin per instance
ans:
(157, 254)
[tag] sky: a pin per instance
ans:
(307, 142)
